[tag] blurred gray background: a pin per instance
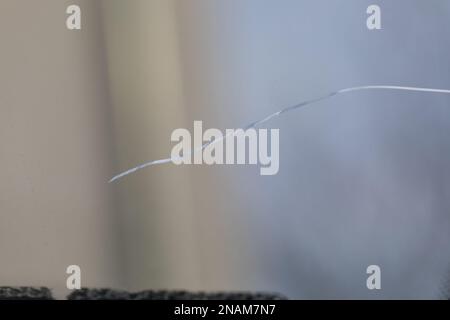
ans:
(364, 177)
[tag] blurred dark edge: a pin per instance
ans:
(25, 293)
(42, 293)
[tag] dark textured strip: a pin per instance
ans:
(108, 294)
(25, 293)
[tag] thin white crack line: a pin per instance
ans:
(278, 113)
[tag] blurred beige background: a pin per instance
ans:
(58, 109)
(55, 142)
